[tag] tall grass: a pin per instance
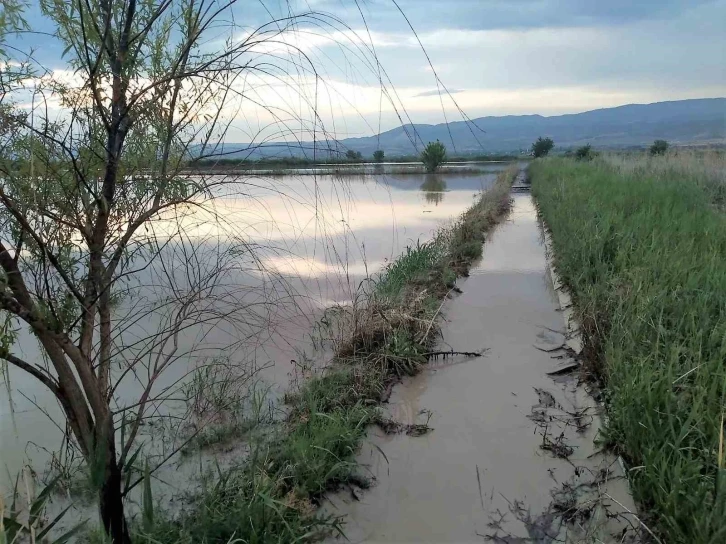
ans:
(643, 251)
(703, 167)
(271, 496)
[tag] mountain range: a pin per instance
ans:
(681, 122)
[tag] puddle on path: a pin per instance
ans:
(482, 473)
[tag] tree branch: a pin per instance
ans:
(34, 370)
(41, 244)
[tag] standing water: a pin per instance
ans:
(500, 460)
(317, 236)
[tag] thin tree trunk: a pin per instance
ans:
(111, 498)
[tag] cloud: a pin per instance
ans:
(511, 14)
(511, 56)
(438, 92)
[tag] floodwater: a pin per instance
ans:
(307, 243)
(482, 472)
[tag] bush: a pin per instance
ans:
(542, 147)
(433, 155)
(584, 153)
(659, 147)
(379, 155)
(353, 155)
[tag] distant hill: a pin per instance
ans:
(679, 122)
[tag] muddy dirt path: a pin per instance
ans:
(510, 454)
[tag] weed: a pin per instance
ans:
(244, 505)
(643, 252)
(317, 453)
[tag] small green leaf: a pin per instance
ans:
(11, 528)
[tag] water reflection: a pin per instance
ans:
(311, 240)
(433, 188)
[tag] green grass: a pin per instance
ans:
(317, 454)
(271, 497)
(244, 505)
(643, 251)
(414, 266)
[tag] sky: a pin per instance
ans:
(494, 57)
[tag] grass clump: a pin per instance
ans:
(643, 251)
(317, 453)
(414, 266)
(247, 504)
(271, 497)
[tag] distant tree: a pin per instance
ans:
(353, 155)
(433, 155)
(659, 147)
(584, 153)
(378, 155)
(542, 147)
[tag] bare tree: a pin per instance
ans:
(105, 251)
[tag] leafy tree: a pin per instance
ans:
(542, 147)
(353, 155)
(585, 153)
(659, 147)
(379, 155)
(433, 155)
(99, 260)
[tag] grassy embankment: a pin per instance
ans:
(271, 497)
(641, 244)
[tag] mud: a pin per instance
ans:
(509, 454)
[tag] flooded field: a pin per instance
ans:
(311, 240)
(509, 453)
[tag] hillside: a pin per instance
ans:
(679, 122)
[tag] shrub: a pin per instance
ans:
(542, 147)
(378, 155)
(433, 155)
(584, 153)
(353, 155)
(659, 147)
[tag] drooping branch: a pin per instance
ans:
(36, 371)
